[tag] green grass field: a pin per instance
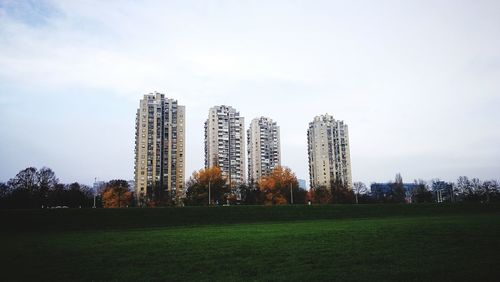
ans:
(365, 242)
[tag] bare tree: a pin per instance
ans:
(487, 188)
(421, 193)
(46, 180)
(398, 190)
(359, 188)
(398, 179)
(25, 179)
(475, 184)
(464, 187)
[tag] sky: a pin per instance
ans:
(417, 82)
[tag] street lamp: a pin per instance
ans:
(209, 180)
(95, 190)
(119, 191)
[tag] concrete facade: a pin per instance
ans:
(329, 154)
(264, 152)
(225, 143)
(159, 150)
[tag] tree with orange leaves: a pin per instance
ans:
(116, 194)
(277, 185)
(204, 182)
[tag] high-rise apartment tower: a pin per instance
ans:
(159, 150)
(225, 143)
(264, 153)
(329, 156)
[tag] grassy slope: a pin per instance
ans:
(101, 219)
(373, 243)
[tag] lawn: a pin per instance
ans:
(366, 242)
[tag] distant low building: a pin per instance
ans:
(131, 184)
(443, 191)
(302, 184)
(381, 191)
(98, 186)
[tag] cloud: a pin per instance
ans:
(410, 79)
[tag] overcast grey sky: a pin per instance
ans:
(418, 82)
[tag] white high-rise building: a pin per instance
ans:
(225, 143)
(264, 153)
(329, 156)
(159, 150)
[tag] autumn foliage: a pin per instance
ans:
(198, 186)
(116, 194)
(212, 174)
(276, 186)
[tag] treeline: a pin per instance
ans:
(436, 190)
(35, 188)
(476, 190)
(209, 187)
(280, 187)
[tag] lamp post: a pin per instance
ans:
(95, 190)
(119, 194)
(291, 194)
(209, 180)
(356, 194)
